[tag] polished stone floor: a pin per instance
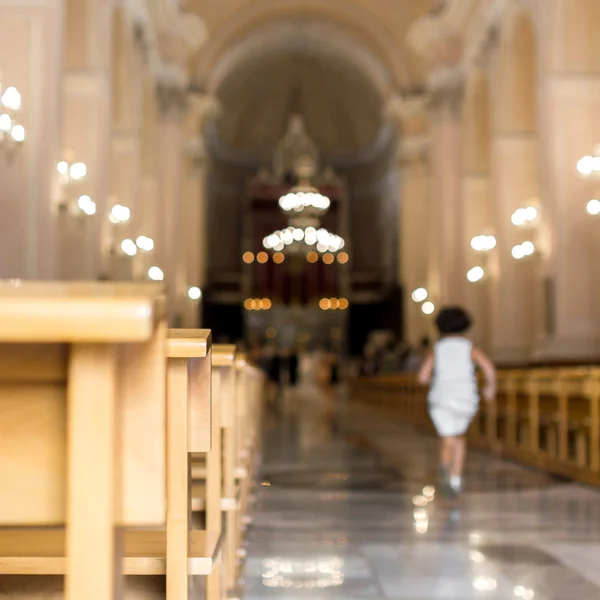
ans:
(347, 510)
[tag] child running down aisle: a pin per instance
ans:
(450, 369)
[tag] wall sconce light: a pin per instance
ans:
(475, 274)
(523, 250)
(144, 243)
(483, 243)
(526, 217)
(156, 273)
(71, 175)
(590, 165)
(195, 293)
(129, 247)
(428, 308)
(593, 208)
(12, 134)
(119, 214)
(419, 295)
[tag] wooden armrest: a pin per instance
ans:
(42, 552)
(188, 343)
(90, 312)
(223, 355)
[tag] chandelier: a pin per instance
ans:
(304, 207)
(12, 134)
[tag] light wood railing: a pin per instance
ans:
(103, 413)
(547, 417)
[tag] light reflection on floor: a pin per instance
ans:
(334, 520)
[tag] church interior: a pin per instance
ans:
(236, 238)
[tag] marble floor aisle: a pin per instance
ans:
(336, 519)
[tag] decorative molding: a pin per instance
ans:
(340, 161)
(446, 91)
(477, 26)
(413, 148)
(398, 109)
(202, 110)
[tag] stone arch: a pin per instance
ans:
(368, 31)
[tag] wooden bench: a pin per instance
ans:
(545, 417)
(82, 424)
(160, 391)
(240, 398)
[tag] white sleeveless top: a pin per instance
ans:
(454, 377)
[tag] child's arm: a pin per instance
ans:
(489, 371)
(426, 370)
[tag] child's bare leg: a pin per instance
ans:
(459, 450)
(446, 453)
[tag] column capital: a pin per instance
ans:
(413, 149)
(201, 110)
(446, 88)
(406, 112)
(171, 88)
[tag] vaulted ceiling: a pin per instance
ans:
(334, 61)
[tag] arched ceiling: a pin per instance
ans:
(334, 62)
(342, 111)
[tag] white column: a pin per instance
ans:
(411, 162)
(570, 126)
(478, 220)
(413, 245)
(86, 129)
(170, 248)
(194, 270)
(30, 60)
(514, 174)
(446, 252)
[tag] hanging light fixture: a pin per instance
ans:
(304, 206)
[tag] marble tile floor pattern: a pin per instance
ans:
(335, 519)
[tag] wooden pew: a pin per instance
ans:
(239, 422)
(220, 466)
(82, 423)
(190, 432)
(159, 441)
(545, 417)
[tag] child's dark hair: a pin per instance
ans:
(452, 320)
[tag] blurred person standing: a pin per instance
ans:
(416, 356)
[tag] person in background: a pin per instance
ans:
(393, 357)
(416, 356)
(450, 370)
(273, 370)
(369, 363)
(293, 361)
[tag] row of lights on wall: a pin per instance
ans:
(420, 296)
(523, 218)
(312, 257)
(589, 167)
(12, 134)
(333, 304)
(257, 304)
(70, 175)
